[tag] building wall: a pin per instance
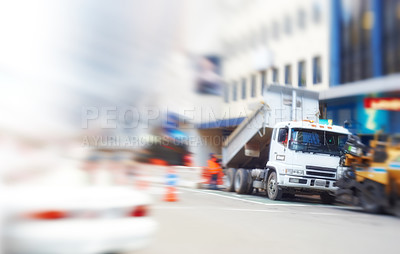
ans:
(267, 35)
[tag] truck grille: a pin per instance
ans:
(324, 172)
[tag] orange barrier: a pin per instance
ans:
(172, 179)
(171, 195)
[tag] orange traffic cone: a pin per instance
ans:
(171, 195)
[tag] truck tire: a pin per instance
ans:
(241, 181)
(273, 191)
(250, 188)
(229, 179)
(327, 198)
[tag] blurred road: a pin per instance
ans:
(205, 221)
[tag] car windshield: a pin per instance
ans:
(317, 141)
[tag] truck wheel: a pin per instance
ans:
(229, 179)
(250, 187)
(273, 191)
(370, 196)
(327, 198)
(241, 181)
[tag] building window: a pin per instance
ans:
(245, 42)
(244, 89)
(302, 74)
(275, 30)
(301, 19)
(263, 80)
(264, 34)
(254, 40)
(226, 93)
(275, 75)
(253, 86)
(288, 25)
(288, 75)
(316, 12)
(234, 91)
(317, 72)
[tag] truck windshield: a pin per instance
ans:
(316, 141)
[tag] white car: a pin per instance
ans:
(67, 210)
(76, 220)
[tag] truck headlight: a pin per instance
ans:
(290, 171)
(340, 171)
(298, 172)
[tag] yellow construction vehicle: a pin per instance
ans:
(371, 177)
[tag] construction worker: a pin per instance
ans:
(214, 169)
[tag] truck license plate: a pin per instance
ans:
(320, 182)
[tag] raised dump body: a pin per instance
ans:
(280, 103)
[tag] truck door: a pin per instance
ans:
(280, 145)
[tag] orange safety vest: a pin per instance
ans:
(213, 167)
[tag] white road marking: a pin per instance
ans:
(240, 198)
(175, 207)
(250, 210)
(246, 200)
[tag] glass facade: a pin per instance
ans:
(391, 36)
(365, 39)
(356, 25)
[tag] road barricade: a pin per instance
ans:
(190, 177)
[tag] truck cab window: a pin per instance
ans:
(317, 141)
(283, 136)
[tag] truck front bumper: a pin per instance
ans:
(307, 184)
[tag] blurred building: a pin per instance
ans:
(281, 42)
(348, 50)
(364, 60)
(267, 42)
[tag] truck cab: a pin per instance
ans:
(305, 156)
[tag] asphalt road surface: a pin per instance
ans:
(205, 221)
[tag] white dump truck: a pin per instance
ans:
(283, 149)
